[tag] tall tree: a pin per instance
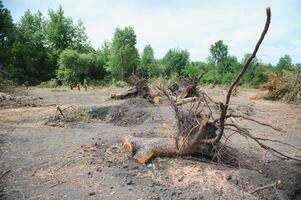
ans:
(7, 35)
(218, 52)
(175, 61)
(221, 60)
(62, 33)
(124, 57)
(105, 52)
(284, 63)
(148, 66)
(30, 51)
(73, 66)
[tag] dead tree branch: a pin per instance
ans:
(277, 128)
(278, 184)
(224, 107)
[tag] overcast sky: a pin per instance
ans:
(186, 24)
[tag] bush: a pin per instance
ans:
(74, 67)
(53, 83)
(191, 70)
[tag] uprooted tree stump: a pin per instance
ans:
(201, 128)
(139, 88)
(186, 88)
(152, 147)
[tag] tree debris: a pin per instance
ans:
(285, 87)
(278, 184)
(202, 127)
(139, 89)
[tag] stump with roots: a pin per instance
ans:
(139, 88)
(186, 88)
(201, 128)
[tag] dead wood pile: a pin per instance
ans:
(9, 101)
(285, 87)
(185, 88)
(139, 88)
(206, 127)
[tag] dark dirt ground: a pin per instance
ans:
(83, 159)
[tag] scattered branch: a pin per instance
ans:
(278, 184)
(258, 122)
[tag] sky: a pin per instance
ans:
(185, 24)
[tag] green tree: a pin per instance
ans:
(256, 73)
(218, 53)
(250, 73)
(148, 66)
(73, 67)
(30, 51)
(124, 57)
(62, 33)
(284, 63)
(7, 35)
(193, 69)
(175, 61)
(105, 53)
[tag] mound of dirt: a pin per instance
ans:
(8, 101)
(132, 112)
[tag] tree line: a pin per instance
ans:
(55, 48)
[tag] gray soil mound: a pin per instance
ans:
(132, 112)
(8, 101)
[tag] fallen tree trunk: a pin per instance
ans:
(132, 92)
(146, 148)
(187, 100)
(139, 88)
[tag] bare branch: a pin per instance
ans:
(246, 65)
(278, 184)
(277, 128)
(224, 107)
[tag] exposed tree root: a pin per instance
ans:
(186, 88)
(139, 88)
(278, 184)
(201, 128)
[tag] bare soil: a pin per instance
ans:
(83, 159)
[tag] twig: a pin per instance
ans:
(278, 184)
(264, 146)
(4, 173)
(258, 122)
(60, 111)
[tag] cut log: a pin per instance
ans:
(126, 94)
(185, 88)
(146, 148)
(156, 100)
(187, 100)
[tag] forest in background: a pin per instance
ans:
(53, 50)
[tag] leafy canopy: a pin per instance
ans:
(175, 61)
(148, 65)
(124, 57)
